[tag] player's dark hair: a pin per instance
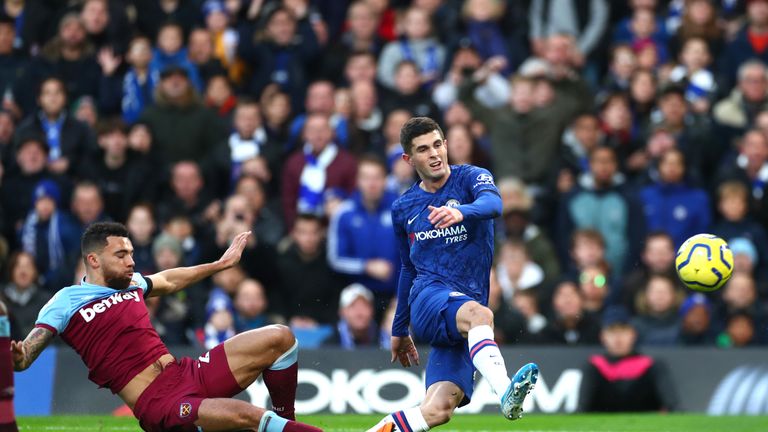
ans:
(416, 127)
(95, 236)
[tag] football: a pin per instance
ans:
(704, 262)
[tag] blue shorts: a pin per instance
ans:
(433, 319)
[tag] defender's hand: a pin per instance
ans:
(404, 350)
(444, 217)
(19, 355)
(232, 255)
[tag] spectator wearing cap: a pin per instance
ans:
(517, 224)
(69, 140)
(18, 187)
(361, 242)
(283, 55)
(50, 235)
(698, 326)
(183, 129)
(621, 379)
(745, 261)
(171, 51)
(356, 327)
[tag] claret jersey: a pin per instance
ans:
(459, 256)
(109, 329)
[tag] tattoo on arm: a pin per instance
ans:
(34, 344)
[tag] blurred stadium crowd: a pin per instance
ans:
(614, 130)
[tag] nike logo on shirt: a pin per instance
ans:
(412, 219)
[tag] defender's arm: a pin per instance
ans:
(24, 353)
(173, 280)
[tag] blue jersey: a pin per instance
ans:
(459, 256)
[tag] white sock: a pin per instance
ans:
(408, 420)
(487, 358)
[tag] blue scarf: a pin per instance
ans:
(313, 177)
(53, 134)
(29, 239)
(135, 95)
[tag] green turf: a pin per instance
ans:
(461, 423)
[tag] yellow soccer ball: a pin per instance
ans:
(704, 262)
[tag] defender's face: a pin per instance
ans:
(429, 156)
(116, 262)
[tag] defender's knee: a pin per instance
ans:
(437, 412)
(282, 337)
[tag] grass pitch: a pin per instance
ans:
(460, 423)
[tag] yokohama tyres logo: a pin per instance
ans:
(440, 233)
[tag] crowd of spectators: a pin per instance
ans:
(614, 130)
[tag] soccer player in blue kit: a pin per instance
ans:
(444, 229)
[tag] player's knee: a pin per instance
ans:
(437, 412)
(479, 314)
(282, 337)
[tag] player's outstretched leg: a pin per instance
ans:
(270, 351)
(477, 320)
(440, 402)
(236, 415)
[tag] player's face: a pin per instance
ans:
(116, 262)
(429, 156)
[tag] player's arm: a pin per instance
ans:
(487, 205)
(25, 352)
(402, 345)
(175, 279)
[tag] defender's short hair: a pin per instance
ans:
(415, 127)
(95, 236)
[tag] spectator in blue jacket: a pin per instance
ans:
(670, 204)
(361, 243)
